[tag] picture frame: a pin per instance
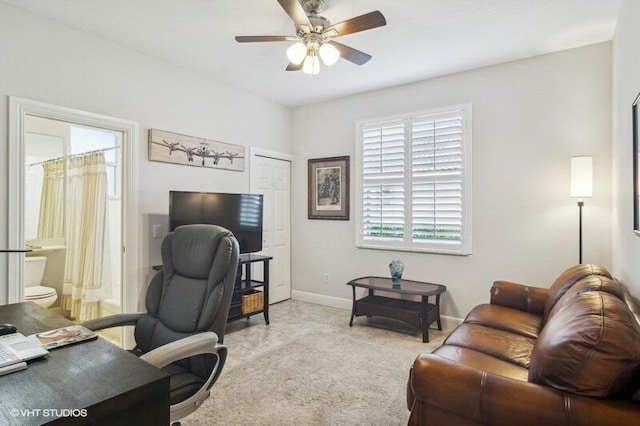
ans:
(635, 111)
(176, 148)
(328, 194)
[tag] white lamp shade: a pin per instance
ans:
(311, 65)
(581, 176)
(329, 54)
(296, 53)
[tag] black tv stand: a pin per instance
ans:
(248, 283)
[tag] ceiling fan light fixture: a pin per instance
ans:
(315, 33)
(329, 54)
(296, 53)
(311, 64)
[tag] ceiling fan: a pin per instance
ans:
(315, 34)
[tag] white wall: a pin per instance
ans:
(48, 62)
(626, 78)
(529, 118)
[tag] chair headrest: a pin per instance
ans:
(193, 249)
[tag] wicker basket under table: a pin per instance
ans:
(251, 301)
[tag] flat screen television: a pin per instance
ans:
(239, 213)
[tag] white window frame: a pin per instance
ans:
(465, 247)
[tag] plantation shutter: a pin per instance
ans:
(383, 175)
(437, 178)
(414, 183)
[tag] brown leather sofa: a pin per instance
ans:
(567, 355)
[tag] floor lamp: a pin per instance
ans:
(581, 187)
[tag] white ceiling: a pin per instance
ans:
(422, 38)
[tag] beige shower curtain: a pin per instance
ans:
(87, 269)
(51, 223)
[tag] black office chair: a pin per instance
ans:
(187, 308)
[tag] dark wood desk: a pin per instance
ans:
(112, 386)
(420, 314)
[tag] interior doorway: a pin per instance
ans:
(73, 217)
(270, 175)
(100, 134)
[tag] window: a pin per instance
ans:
(414, 182)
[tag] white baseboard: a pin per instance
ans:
(320, 299)
(448, 322)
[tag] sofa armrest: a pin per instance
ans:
(519, 296)
(476, 396)
(410, 396)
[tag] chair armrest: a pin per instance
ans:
(519, 296)
(197, 344)
(117, 320)
(484, 398)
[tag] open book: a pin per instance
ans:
(64, 336)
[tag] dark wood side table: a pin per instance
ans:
(419, 314)
(245, 261)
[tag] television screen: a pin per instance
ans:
(239, 213)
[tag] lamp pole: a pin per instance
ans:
(580, 204)
(581, 187)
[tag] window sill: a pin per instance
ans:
(430, 250)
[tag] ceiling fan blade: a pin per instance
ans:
(252, 39)
(294, 67)
(351, 54)
(357, 24)
(295, 12)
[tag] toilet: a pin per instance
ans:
(34, 291)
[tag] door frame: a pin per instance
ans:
(19, 108)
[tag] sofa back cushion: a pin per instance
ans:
(591, 346)
(589, 283)
(566, 280)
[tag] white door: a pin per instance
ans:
(271, 177)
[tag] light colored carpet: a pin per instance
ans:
(308, 367)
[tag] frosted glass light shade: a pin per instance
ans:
(296, 53)
(311, 65)
(581, 177)
(329, 54)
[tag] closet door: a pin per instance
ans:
(270, 175)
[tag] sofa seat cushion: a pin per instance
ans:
(483, 362)
(504, 345)
(589, 347)
(507, 319)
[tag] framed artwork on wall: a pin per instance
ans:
(170, 147)
(329, 188)
(635, 109)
